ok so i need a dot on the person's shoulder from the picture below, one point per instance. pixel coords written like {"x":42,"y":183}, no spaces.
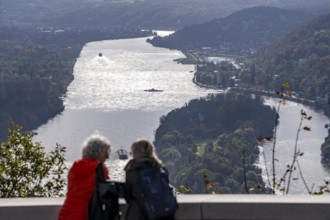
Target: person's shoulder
{"x":129,"y":165}
{"x":86,"y":163}
{"x":137,"y":164}
{"x":83,"y":167}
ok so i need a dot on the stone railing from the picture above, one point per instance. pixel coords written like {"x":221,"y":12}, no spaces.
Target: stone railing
{"x":229,"y":207}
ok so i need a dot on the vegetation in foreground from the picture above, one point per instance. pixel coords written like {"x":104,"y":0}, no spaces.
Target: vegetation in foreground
{"x":26,"y":170}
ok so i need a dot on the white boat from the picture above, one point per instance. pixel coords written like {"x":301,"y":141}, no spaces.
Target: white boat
{"x":122,"y":154}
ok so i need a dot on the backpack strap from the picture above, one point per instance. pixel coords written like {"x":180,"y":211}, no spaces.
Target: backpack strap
{"x":101,"y":181}
{"x":165,"y":171}
{"x":100,"y":174}
{"x":95,"y":202}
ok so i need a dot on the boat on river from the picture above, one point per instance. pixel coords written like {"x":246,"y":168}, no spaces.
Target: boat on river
{"x":122,"y":154}
{"x":153,"y":90}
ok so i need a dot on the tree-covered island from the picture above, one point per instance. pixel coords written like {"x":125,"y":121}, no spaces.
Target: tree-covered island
{"x":214,"y":140}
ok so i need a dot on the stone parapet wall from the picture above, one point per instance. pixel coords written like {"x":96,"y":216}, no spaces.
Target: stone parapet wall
{"x":221,"y":207}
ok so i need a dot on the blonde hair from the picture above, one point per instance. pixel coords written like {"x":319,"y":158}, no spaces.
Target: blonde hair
{"x":143,"y":149}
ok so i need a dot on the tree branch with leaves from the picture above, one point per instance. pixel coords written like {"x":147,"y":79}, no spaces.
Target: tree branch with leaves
{"x":27,"y":170}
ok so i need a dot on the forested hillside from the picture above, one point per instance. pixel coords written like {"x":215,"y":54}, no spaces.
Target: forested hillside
{"x":32,"y":81}
{"x":302,"y":59}
{"x":146,"y":14}
{"x":247,"y":30}
{"x":209,"y":137}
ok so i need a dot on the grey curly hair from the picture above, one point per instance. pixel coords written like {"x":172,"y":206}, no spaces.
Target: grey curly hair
{"x":95,"y":146}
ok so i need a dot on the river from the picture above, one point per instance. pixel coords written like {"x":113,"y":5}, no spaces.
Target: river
{"x":107,"y":96}
{"x":309,"y":143}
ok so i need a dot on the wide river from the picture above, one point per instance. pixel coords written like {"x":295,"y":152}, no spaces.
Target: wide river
{"x":107,"y":96}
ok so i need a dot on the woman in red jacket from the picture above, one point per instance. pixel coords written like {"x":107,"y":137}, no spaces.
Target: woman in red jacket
{"x":82,"y":178}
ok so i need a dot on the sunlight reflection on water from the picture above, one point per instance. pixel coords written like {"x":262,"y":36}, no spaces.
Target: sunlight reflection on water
{"x":117,"y":80}
{"x":107,"y":96}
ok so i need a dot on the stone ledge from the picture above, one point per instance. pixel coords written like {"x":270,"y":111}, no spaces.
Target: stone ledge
{"x":222,"y":207}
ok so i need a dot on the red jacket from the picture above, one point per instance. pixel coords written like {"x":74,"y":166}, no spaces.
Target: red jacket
{"x":81,"y":184}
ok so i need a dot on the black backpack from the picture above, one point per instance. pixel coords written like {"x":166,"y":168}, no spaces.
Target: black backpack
{"x":158,"y":200}
{"x":104,"y":203}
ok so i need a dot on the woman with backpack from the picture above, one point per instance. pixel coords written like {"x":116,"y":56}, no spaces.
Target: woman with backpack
{"x":82,"y":178}
{"x":146,"y":187}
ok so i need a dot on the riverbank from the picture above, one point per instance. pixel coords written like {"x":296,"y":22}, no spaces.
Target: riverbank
{"x":203,"y":85}
{"x":190,"y":58}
